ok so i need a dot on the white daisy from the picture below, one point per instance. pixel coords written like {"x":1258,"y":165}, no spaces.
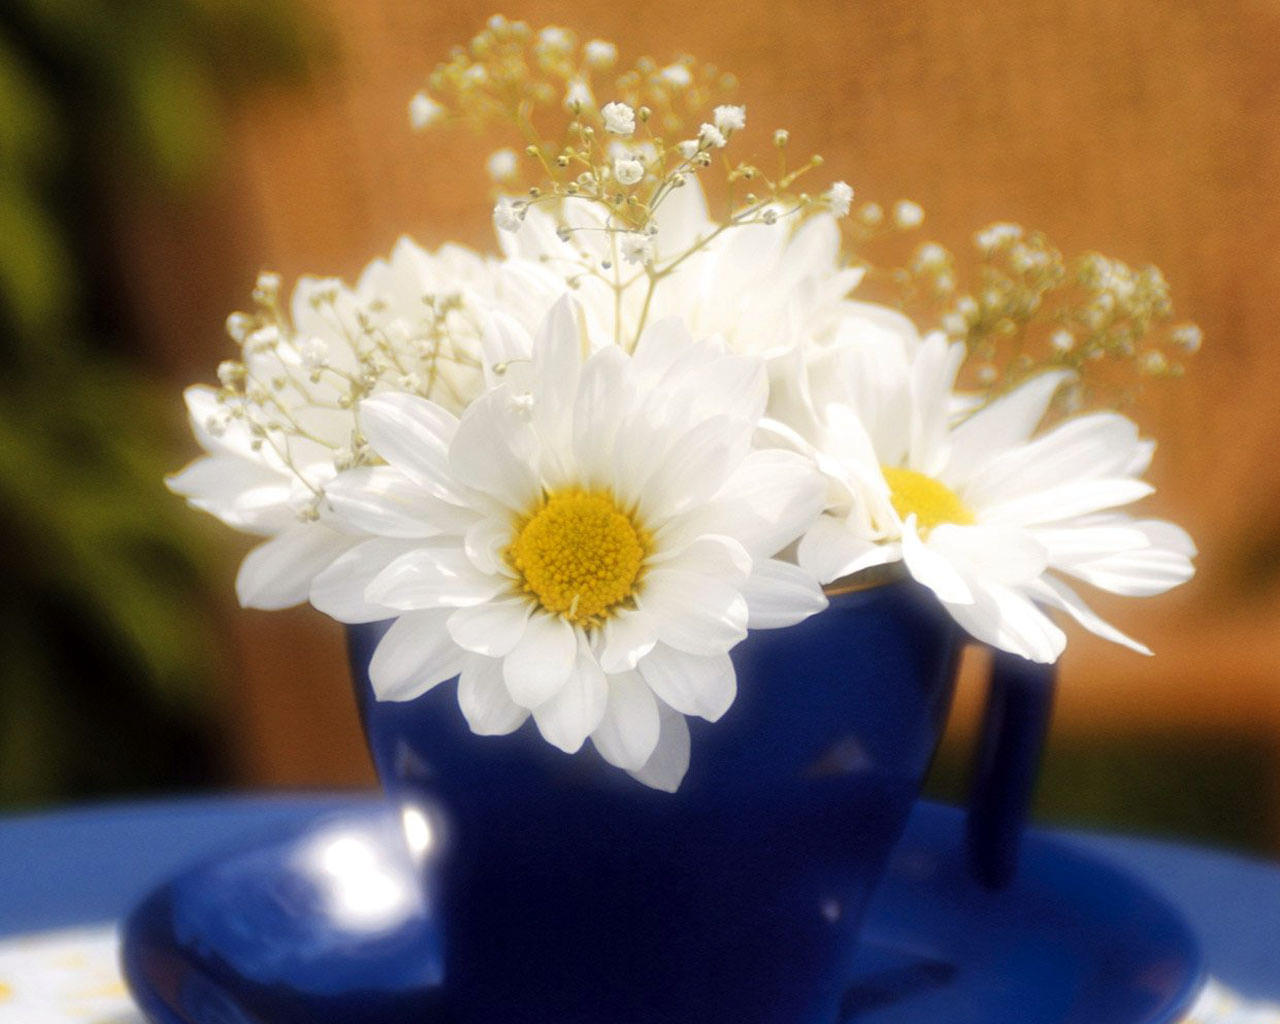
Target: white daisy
{"x":586,"y":551}
{"x":285,"y":421}
{"x":986,"y":516}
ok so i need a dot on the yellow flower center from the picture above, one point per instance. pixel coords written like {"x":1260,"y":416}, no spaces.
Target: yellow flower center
{"x":933,"y":503}
{"x":579,"y":554}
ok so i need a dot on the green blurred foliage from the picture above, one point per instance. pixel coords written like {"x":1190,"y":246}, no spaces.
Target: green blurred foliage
{"x":106,"y":649}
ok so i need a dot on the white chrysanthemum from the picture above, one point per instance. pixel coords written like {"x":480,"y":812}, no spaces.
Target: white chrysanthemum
{"x":986,"y":516}
{"x":761,"y":288}
{"x":586,"y":551}
{"x":288,"y":423}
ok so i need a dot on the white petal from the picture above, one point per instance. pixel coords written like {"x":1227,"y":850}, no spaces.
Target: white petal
{"x":540,"y":664}
{"x":781,"y":594}
{"x":493,"y":628}
{"x":661,"y":343}
{"x":578,"y":707}
{"x":932,"y":569}
{"x":504,"y":340}
{"x":558,"y":352}
{"x":1066,"y":501}
{"x":493,"y":451}
{"x":696,"y":465}
{"x":339,"y":590}
{"x":628,"y":733}
{"x":599,"y":408}
{"x":414,"y":655}
{"x":719,"y":557}
{"x":1006,"y":555}
{"x":218,"y":484}
{"x":483,"y":698}
{"x":1082,"y":541}
{"x":693,"y":613}
{"x":236,"y":440}
{"x":1087,"y":448}
{"x":1163,"y":534}
{"x":669,"y":762}
{"x":1140,"y":572}
{"x":433,"y":576}
{"x":627,"y":636}
{"x":383,"y":501}
{"x":412,"y":434}
{"x":1009,"y":620}
{"x":775,"y":495}
{"x":933,"y":374}
{"x":486,"y":540}
{"x":278,"y":573}
{"x":1057,"y":594}
{"x":1007,"y":421}
{"x":692,"y":684}
{"x":831,"y":549}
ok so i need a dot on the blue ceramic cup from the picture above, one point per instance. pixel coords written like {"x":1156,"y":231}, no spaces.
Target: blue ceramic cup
{"x":568,"y":893}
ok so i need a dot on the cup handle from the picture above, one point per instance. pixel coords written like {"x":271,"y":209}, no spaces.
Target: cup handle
{"x":1019,"y":705}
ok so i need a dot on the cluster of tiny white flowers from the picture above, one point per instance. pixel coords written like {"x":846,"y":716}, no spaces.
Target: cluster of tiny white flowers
{"x":282,"y":374}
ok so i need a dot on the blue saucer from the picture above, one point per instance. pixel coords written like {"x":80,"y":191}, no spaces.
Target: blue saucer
{"x":250,"y":937}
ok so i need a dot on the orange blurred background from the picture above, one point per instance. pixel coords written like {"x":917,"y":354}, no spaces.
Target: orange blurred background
{"x":1145,"y":129}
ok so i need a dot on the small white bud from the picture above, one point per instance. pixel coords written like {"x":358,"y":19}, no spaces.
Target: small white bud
{"x":314,"y":351}
{"x":637,"y":248}
{"x":1062,"y":340}
{"x":711,"y":137}
{"x":578,"y":96}
{"x":687,"y":149}
{"x":781,"y":137}
{"x":555,"y":40}
{"x":267,"y":286}
{"x":1187,"y":337}
{"x":600,"y":55}
{"x":838,"y":198}
{"x":628,"y":170}
{"x":230,"y":373}
{"x":995,"y":237}
{"x":424,"y":111}
{"x":907,"y":215}
{"x":507,"y":215}
{"x":238,"y":327}
{"x":1154,"y":362}
{"x":676,"y":75}
{"x":730,"y":118}
{"x":619,"y":118}
{"x":521,"y":403}
{"x":502,"y":164}
{"x":930,"y":256}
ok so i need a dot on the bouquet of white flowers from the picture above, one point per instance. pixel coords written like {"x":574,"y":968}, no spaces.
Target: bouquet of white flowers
{"x":577,"y":473}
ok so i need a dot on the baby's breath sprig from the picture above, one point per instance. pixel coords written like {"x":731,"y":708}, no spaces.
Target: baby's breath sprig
{"x":624,"y":144}
{"x":289,"y":385}
{"x":1025,"y":308}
